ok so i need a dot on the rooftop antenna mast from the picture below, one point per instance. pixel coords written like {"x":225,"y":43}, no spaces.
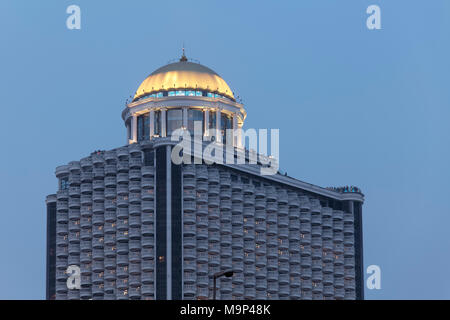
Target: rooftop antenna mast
{"x":183,"y":57}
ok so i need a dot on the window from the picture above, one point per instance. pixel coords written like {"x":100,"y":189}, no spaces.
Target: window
{"x":128,"y":125}
{"x":226,"y":122}
{"x":64,"y":183}
{"x":143,"y":127}
{"x":157,"y":123}
{"x":174,"y":120}
{"x":212,"y":124}
{"x":195,"y":115}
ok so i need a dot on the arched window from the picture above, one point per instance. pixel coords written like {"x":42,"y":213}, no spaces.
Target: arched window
{"x":195,"y":115}
{"x":226,"y":122}
{"x":157,"y":124}
{"x":143,"y":132}
{"x":174,"y":120}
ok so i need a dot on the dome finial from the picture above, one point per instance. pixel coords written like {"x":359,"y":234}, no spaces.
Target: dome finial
{"x":183,"y":56}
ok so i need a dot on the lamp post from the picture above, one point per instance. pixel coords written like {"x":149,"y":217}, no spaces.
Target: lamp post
{"x":227,"y":273}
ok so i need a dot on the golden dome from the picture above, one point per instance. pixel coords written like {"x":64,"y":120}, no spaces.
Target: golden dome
{"x":184,"y":75}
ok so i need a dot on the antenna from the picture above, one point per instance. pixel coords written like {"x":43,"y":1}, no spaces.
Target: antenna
{"x":183,"y":57}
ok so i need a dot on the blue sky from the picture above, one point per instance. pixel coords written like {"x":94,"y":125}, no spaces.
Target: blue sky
{"x":354,"y":106}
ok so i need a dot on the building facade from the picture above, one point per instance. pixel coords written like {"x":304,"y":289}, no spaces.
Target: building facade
{"x":139,"y":226}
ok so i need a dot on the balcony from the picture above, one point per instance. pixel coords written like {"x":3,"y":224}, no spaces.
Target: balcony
{"x":348,"y":218}
{"x":338,"y":225}
{"x":249,"y":200}
{"x":213,"y":190}
{"x":260,"y":214}
{"x":135,"y":233}
{"x":110,"y":204}
{"x":148,"y":229}
{"x":225,"y":218}
{"x":148,"y":183}
{"x":327,"y":234}
{"x":188,"y":241}
{"x":214,"y":225}
{"x":293,"y":200}
{"x":147,"y":277}
{"x":86,"y":200}
{"x":349,"y":263}
{"x":98,"y":185}
{"x":339,"y":270}
{"x":213,"y":201}
{"x":62,"y":195}
{"x":98,"y":207}
{"x":86,"y":176}
{"x":86,"y":188}
{"x":122,"y":178}
{"x":260,"y":192}
{"x":305,"y":228}
{"x":260,"y":204}
{"x":328,"y":267}
{"x":148,"y":206}
{"x":98,"y":173}
{"x":147,"y":217}
{"x":134,"y":186}
{"x":338,"y":248}
{"x":349,"y":229}
{"x":327,"y":222}
{"x":316,"y":219}
{"x":317,"y":288}
{"x":202,"y":186}
{"x":349,"y":251}
{"x":135,"y":163}
{"x":237,"y":197}
{"x":148,"y":266}
{"x":214,"y":236}
{"x":97,"y":254}
{"x":316,"y":231}
{"x":338,"y":215}
{"x":283,"y":222}
{"x":74,"y":203}
{"x":189,"y":206}
{"x":349,"y":273}
{"x":226,"y":239}
{"x":135,"y":198}
{"x":62,"y":217}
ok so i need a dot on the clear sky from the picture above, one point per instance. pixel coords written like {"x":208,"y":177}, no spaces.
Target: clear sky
{"x":354,"y":107}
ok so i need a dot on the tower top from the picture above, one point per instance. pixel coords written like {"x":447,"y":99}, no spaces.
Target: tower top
{"x":183,"y":56}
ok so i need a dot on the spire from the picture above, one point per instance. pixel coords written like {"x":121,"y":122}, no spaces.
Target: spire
{"x":183,"y":56}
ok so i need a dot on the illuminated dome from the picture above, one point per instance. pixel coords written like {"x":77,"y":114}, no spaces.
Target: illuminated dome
{"x":184,"y":75}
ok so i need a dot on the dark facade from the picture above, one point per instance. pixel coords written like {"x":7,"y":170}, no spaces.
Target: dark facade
{"x":51,"y":248}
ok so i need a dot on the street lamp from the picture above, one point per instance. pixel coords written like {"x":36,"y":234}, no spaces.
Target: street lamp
{"x":227,"y":273}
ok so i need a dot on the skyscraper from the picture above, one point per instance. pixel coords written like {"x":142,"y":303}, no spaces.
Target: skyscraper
{"x":140,"y":226}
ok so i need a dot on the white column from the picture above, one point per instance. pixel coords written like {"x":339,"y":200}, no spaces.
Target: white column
{"x":218,"y":125}
{"x":134,"y":128}
{"x":152,"y":123}
{"x":163,"y":122}
{"x":185,"y":117}
{"x":169,"y":222}
{"x":239,"y":137}
{"x":207,"y":122}
{"x":235,"y":127}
